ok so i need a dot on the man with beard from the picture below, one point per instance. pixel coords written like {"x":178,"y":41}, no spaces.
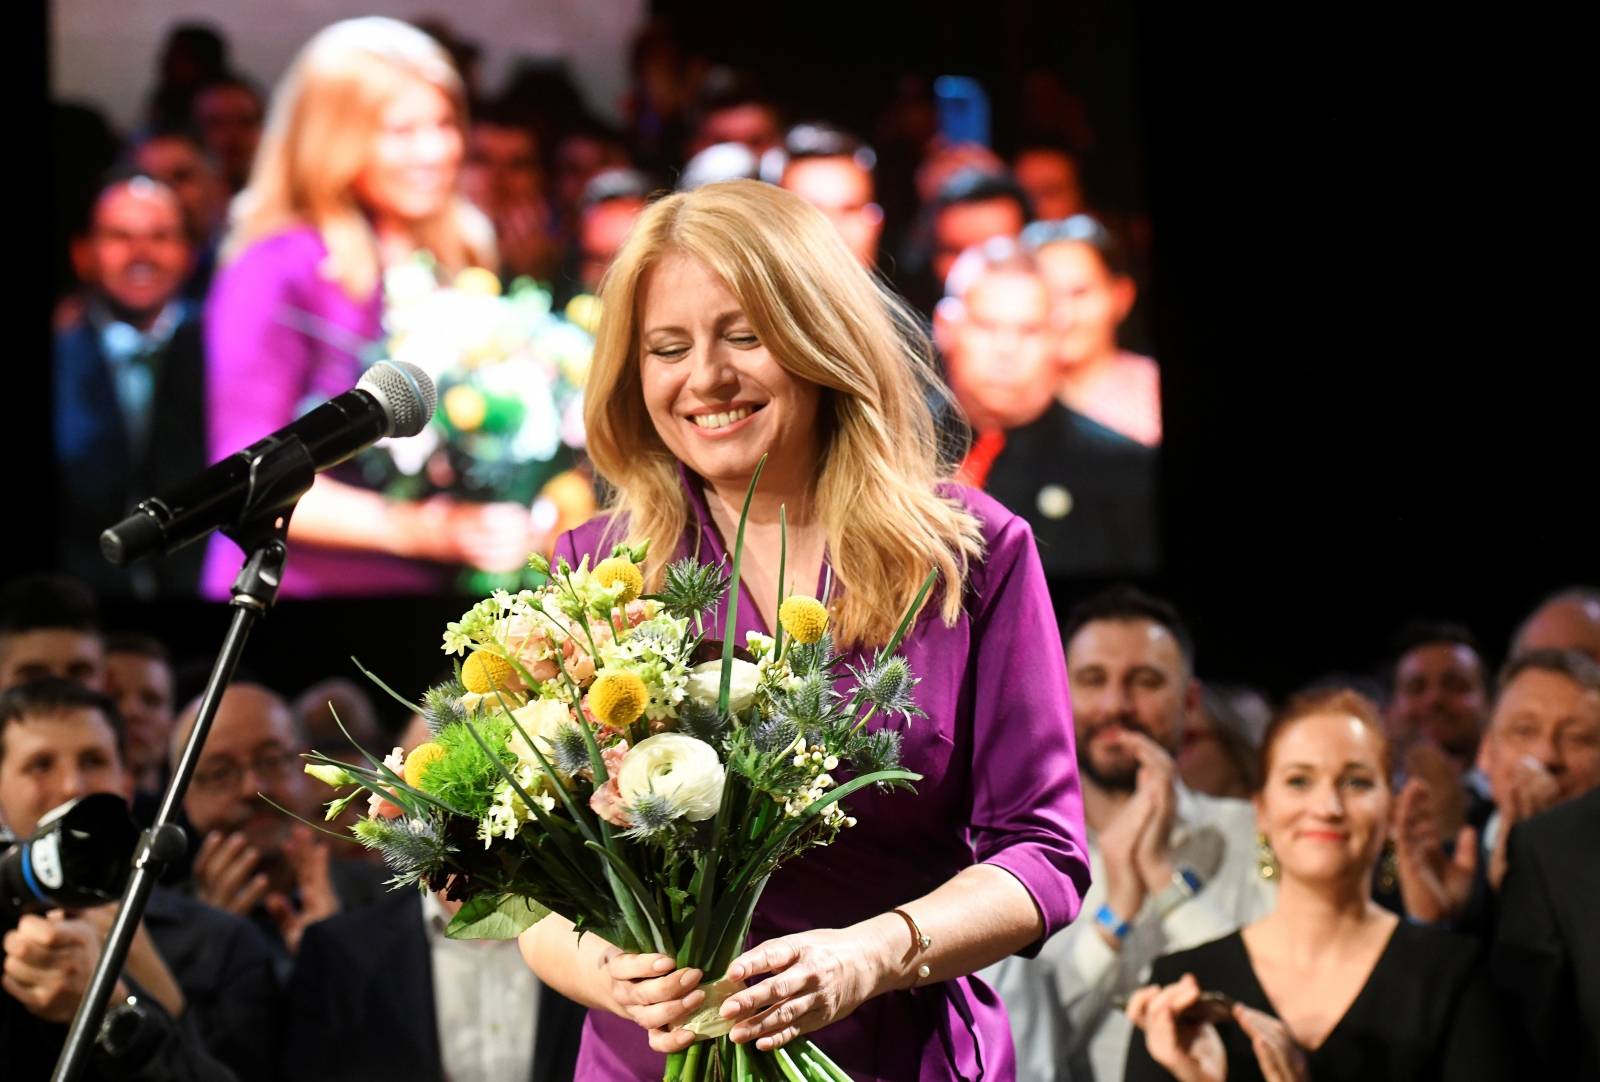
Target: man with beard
{"x":253,"y":859}
{"x":1171,"y":868}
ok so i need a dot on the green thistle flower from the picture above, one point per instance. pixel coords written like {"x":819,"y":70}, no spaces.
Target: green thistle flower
{"x":691,"y":587}
{"x":570,"y":753}
{"x":874,"y":751}
{"x":816,"y":657}
{"x":441,"y":705}
{"x":412,"y":848}
{"x":887,"y":685}
{"x":774,"y":734}
{"x":701,"y":721}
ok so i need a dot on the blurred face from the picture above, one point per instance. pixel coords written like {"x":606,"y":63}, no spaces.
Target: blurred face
{"x":251,"y":750}
{"x":999,"y":351}
{"x":719,"y":400}
{"x":1087,"y":303}
{"x":842,"y":190}
{"x":1546,"y":717}
{"x":959,"y":227}
{"x":1439,"y":696}
{"x":50,"y":759}
{"x":502,"y":168}
{"x":411,"y":170}
{"x":52,"y":651}
{"x":1324,"y":803}
{"x":752,"y":124}
{"x":229,"y":119}
{"x":138,"y":249}
{"x":1563,"y":625}
{"x":142,"y":687}
{"x":578,"y":158}
{"x":179,"y":165}
{"x":1051,"y":180}
{"x":1125,"y":676}
{"x":605,"y":226}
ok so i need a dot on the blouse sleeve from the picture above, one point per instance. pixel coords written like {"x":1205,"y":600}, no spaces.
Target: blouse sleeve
{"x":1027,"y":811}
{"x":257,"y":366}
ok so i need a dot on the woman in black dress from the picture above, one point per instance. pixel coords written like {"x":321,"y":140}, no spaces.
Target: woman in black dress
{"x":1329,"y":986}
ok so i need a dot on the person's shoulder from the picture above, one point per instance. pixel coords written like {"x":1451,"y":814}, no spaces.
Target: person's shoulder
{"x":1564,"y":827}
{"x":600,"y":532}
{"x":1205,"y":961}
{"x":294,"y":252}
{"x":1084,"y":432}
{"x":997,"y":521}
{"x":1432,"y":954}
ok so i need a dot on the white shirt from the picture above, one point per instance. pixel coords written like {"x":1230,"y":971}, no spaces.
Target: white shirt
{"x":1059,"y":1003}
{"x":485,"y":1001}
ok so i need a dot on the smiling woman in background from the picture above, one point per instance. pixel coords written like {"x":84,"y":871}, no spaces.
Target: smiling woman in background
{"x":357,"y":172}
{"x":1329,"y":985}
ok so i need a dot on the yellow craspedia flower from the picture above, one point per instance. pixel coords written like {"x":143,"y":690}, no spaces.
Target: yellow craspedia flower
{"x":584,"y":310}
{"x":417,"y":763}
{"x":478,"y":280}
{"x":615,"y":569}
{"x":482,"y":672}
{"x":804,"y":618}
{"x":617,"y":699}
{"x":465,"y":407}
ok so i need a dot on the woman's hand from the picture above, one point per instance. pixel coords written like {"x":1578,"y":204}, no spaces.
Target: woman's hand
{"x":1193,"y":1053}
{"x":650,"y":991}
{"x":818,"y":977}
{"x":1279,"y":1057}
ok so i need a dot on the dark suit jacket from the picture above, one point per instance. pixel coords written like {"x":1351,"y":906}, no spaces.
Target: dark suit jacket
{"x":361,"y":1003}
{"x":1109,"y":522}
{"x":1546,"y":953}
{"x":98,"y":480}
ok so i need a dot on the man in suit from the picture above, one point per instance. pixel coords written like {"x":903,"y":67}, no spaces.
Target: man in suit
{"x":128,"y":384}
{"x":1546,"y":953}
{"x":1087,"y":491}
{"x":380,"y":993}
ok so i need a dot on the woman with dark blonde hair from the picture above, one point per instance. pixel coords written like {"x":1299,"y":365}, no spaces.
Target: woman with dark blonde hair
{"x":357,"y":171}
{"x":739,"y":325}
{"x":1329,"y":985}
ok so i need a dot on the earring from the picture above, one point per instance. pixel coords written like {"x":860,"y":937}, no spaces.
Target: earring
{"x":1388,"y":869}
{"x":1266,"y":859}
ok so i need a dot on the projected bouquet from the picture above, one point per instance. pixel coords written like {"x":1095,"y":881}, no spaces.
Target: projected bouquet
{"x":510,"y":373}
{"x":599,"y":757}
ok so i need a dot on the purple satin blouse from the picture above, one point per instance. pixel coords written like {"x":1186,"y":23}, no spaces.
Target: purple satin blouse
{"x":1000,"y":785}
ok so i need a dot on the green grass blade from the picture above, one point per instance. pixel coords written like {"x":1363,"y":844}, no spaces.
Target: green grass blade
{"x":731,"y":628}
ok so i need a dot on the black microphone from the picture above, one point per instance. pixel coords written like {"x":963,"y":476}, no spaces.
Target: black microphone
{"x":80,"y":855}
{"x":393,"y":398}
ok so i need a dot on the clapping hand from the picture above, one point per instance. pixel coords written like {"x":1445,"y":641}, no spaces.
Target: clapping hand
{"x":1433,"y":886}
{"x":1522,"y":790}
{"x":1193,"y":1052}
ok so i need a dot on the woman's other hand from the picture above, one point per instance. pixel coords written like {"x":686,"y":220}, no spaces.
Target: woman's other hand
{"x":817,"y":978}
{"x":1280,"y":1058}
{"x":1193,"y":1053}
{"x":495,"y":537}
{"x":649,"y":990}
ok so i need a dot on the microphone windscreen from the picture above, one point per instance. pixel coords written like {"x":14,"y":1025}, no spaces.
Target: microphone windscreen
{"x":404,"y":391}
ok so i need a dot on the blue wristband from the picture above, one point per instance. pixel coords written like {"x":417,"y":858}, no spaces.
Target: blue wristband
{"x":1116,"y":928}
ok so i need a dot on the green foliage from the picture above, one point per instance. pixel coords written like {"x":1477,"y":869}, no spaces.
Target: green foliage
{"x":870,"y":752}
{"x":495,"y":916}
{"x":464,"y":776}
{"x":816,"y":657}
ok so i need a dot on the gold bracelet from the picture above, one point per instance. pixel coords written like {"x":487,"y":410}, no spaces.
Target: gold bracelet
{"x":920,"y":941}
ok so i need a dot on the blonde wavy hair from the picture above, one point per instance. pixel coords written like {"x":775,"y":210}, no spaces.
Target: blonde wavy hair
{"x":824,"y":319}
{"x":324,"y":118}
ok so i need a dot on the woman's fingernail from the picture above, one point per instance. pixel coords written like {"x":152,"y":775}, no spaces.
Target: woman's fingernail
{"x":687,"y":978}
{"x":731,"y":1008}
{"x":663,"y":965}
{"x":693,"y":999}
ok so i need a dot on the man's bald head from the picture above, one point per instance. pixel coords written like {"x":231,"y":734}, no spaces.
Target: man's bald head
{"x":252,"y":751}
{"x":1569,"y":620}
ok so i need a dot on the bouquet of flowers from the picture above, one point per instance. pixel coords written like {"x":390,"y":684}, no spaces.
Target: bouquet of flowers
{"x":600,"y":758}
{"x":510,"y":374}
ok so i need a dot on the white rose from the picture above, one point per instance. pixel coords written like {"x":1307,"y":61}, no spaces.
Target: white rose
{"x":683,"y":770}
{"x":541,"y":719}
{"x":706,"y":680}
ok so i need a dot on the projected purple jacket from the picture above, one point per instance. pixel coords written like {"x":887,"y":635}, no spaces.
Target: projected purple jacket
{"x":1000,"y":785}
{"x":281,"y":338}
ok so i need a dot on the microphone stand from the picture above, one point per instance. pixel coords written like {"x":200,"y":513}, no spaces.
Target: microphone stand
{"x":278,"y":478}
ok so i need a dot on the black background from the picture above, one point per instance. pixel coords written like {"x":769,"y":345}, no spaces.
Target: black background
{"x":1376,"y":355}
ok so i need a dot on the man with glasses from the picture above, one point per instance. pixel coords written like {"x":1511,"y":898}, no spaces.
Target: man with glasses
{"x":253,"y":859}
